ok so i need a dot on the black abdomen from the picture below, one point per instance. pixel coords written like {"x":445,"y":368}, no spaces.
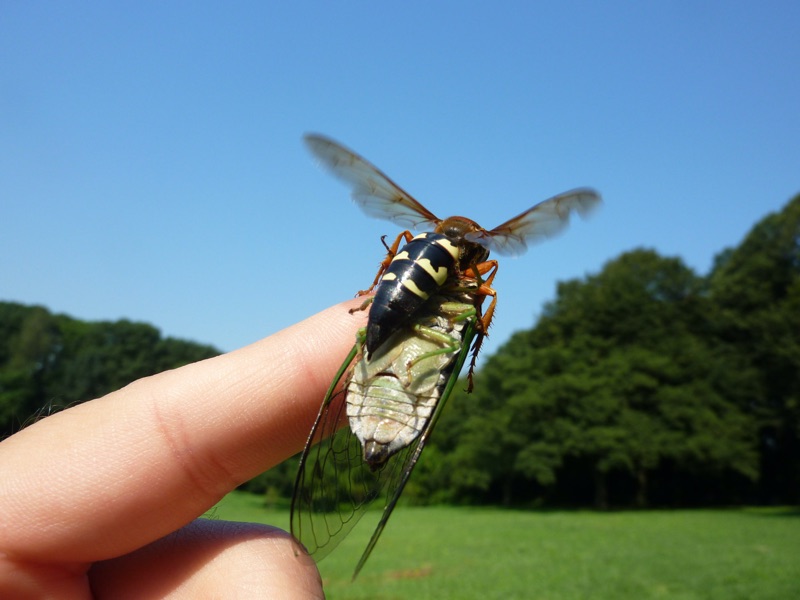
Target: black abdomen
{"x":414,"y":275}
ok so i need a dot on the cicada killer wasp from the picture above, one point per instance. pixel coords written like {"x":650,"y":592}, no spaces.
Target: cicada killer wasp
{"x":425,"y":319}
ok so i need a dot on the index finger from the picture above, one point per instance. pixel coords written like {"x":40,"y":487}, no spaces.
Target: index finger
{"x":108,"y":476}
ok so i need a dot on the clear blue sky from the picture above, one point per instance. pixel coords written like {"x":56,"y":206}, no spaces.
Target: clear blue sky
{"x":151,"y":165}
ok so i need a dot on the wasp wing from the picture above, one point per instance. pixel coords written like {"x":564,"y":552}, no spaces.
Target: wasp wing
{"x":373,"y":191}
{"x":544,"y":220}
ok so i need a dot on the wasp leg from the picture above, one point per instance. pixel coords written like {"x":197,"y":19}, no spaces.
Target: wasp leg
{"x":484,"y":289}
{"x":486,"y":319}
{"x":391,"y":251}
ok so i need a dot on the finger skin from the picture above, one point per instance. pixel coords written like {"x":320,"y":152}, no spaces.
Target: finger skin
{"x":107,"y":477}
{"x":211,"y":559}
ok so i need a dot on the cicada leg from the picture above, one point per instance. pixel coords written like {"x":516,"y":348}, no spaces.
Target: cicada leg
{"x":364,"y":305}
{"x":460,"y":311}
{"x":449,"y":343}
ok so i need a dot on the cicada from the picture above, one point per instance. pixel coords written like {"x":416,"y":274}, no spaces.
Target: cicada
{"x":426,"y":320}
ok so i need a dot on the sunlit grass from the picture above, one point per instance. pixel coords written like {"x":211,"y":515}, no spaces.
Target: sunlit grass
{"x":444,"y":552}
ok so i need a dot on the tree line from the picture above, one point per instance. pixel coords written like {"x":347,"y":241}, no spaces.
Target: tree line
{"x":645,"y":384}
{"x":51,"y":361}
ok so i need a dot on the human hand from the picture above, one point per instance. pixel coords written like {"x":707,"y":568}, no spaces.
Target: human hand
{"x":101,"y":500}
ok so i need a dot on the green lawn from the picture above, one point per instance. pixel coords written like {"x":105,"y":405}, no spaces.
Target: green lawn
{"x":443,"y":552}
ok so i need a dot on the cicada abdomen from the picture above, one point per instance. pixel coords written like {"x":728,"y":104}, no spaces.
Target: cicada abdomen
{"x":391,"y":401}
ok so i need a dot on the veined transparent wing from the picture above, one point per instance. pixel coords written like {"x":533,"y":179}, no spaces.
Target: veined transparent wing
{"x":335,"y":485}
{"x":373,"y":191}
{"x":543,"y":221}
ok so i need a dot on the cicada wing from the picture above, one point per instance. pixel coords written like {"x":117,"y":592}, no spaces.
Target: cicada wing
{"x":546,"y":219}
{"x":373,"y":191}
{"x":332,"y":490}
{"x":328,"y":453}
{"x":402,"y":468}
{"x":334,"y":485}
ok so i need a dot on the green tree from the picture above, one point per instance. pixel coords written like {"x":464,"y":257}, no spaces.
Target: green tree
{"x":49,"y":361}
{"x":28,"y":349}
{"x":757,"y":288}
{"x":617,"y":377}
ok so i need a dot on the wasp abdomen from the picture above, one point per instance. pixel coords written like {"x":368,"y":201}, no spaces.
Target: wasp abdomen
{"x":415,"y":273}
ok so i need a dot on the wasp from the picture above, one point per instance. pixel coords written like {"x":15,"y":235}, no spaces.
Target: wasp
{"x":425,"y":319}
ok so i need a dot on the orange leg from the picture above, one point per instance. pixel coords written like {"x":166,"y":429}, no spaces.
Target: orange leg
{"x":391,"y":252}
{"x":484,"y":289}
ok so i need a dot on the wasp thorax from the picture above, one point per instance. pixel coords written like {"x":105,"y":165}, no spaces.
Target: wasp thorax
{"x":456,"y":227}
{"x":469,"y":253}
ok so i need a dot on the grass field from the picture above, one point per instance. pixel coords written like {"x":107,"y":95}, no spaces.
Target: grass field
{"x":444,"y":552}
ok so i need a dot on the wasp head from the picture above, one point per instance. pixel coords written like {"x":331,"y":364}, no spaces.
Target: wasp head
{"x":469,"y":253}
